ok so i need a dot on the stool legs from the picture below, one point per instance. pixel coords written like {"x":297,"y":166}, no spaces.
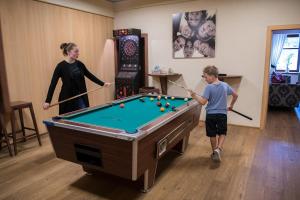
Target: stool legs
{"x":20,"y":106}
{"x":35,"y":125}
{"x":3,"y":130}
{"x":22,"y":124}
{"x":13,"y":130}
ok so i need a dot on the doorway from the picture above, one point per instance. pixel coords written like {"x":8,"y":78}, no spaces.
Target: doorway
{"x":265,"y":96}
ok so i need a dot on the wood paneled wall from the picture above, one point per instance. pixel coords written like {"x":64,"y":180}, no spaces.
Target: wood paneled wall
{"x":32,"y":33}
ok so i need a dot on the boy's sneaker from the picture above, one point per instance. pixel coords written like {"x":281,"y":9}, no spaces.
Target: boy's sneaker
{"x":216,"y":156}
{"x":213,"y":156}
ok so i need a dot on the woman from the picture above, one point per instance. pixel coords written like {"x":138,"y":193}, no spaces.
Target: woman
{"x":72,"y":73}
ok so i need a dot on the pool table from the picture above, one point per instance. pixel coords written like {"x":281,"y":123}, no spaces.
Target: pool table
{"x":126,"y":142}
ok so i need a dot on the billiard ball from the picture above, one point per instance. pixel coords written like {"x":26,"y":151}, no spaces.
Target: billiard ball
{"x":122,"y":105}
{"x":167,"y":105}
{"x":166,"y":97}
{"x":186,"y":99}
{"x":173,"y":108}
{"x":158,"y":97}
{"x":142,"y":99}
{"x":151,"y":98}
{"x":172,"y":98}
{"x":162,"y":109}
{"x":158,"y":104}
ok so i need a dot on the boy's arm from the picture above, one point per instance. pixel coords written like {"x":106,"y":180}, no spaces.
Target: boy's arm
{"x":200,"y":99}
{"x":234,"y":98}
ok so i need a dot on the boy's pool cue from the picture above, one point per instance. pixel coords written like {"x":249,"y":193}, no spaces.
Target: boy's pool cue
{"x":241,"y":114}
{"x":182,"y":87}
{"x":178,"y":85}
{"x":79,"y":95}
{"x":200,"y":95}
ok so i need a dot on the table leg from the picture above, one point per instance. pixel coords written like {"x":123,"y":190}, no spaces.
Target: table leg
{"x":181,"y":146}
{"x":164,"y":84}
{"x":149,"y":177}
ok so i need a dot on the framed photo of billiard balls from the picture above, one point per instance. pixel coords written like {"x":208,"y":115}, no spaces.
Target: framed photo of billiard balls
{"x":161,"y":147}
{"x":194,"y":34}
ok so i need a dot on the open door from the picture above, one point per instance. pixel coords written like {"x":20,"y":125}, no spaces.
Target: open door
{"x":265,"y":96}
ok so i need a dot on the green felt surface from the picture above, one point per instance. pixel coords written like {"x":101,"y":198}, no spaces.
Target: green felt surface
{"x":134,"y":115}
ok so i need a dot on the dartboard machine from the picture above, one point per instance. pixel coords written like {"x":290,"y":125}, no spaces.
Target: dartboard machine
{"x":130,"y":69}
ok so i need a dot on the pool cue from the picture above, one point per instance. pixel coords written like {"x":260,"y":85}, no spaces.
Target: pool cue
{"x":178,"y":85}
{"x":182,"y":87}
{"x":243,"y":115}
{"x":79,"y":95}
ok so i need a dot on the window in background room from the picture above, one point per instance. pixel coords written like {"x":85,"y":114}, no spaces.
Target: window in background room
{"x":289,"y":57}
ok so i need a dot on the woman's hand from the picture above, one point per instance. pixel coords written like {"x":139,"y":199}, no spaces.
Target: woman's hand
{"x":107,"y":84}
{"x":46,"y":106}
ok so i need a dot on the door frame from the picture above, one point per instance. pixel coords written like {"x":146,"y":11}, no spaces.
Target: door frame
{"x":265,"y":96}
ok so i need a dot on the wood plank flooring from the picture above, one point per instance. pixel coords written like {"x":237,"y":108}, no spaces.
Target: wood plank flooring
{"x":256,"y":165}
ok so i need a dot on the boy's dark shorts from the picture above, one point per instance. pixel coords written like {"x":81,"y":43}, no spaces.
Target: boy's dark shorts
{"x":216,"y":124}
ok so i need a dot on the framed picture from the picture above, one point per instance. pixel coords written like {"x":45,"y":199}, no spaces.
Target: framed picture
{"x":194,"y":34}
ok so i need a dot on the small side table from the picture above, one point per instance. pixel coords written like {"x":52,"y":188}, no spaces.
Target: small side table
{"x":228,"y":77}
{"x":163,"y":78}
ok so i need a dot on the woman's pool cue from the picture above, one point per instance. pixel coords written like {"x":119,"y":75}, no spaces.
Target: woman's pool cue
{"x":79,"y":95}
{"x":243,"y":115}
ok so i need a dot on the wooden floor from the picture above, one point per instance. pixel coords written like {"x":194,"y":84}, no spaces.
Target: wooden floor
{"x":256,"y":165}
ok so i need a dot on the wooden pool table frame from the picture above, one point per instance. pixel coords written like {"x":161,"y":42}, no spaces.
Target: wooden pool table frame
{"x":113,"y":151}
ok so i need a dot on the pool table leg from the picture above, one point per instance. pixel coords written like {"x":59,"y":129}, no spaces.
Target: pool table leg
{"x":149,"y":177}
{"x":88,"y":170}
{"x":182,"y":145}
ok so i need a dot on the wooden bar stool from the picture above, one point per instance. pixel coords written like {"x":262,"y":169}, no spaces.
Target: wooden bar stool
{"x":19,"y":106}
{"x":4,"y":135}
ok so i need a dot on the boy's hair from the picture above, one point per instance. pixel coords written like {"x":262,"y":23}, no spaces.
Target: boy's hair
{"x":211,"y":70}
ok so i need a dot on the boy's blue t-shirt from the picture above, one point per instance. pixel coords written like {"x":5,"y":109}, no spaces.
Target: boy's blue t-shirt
{"x":216,"y":94}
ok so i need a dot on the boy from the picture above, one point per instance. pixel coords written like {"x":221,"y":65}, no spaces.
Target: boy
{"x":215,"y":93}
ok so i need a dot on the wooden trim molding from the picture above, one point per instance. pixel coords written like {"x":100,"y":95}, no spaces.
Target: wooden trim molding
{"x":4,"y":94}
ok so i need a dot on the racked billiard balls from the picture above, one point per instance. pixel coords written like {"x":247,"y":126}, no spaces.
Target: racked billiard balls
{"x":167,"y":105}
{"x":158,"y":104}
{"x":172,"y":98}
{"x":122,"y":105}
{"x":162,"y":109}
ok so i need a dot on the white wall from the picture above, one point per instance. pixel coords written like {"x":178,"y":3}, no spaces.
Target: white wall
{"x":240,"y":44}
